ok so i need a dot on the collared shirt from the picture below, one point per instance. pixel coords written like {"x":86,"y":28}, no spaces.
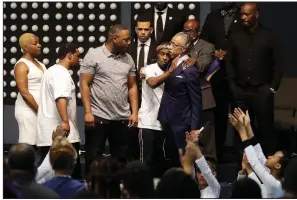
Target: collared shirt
{"x":255,"y":58}
{"x":146,"y":50}
{"x":164,"y":14}
{"x":109,"y":90}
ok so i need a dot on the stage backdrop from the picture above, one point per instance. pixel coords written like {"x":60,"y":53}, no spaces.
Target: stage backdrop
{"x":85,"y":24}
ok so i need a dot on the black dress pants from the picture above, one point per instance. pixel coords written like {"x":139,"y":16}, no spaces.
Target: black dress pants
{"x":259,"y":101}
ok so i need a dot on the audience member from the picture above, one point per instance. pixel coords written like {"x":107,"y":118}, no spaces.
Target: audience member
{"x":58,"y":103}
{"x":205,"y":166}
{"x":22,"y":171}
{"x":218,"y":27}
{"x":137,"y":181}
{"x":103,"y":179}
{"x":109,"y":94}
{"x":28,"y":72}
{"x":63,"y":158}
{"x":45,"y":171}
{"x":248,"y":172}
{"x":176,"y":184}
{"x":202,"y":53}
{"x":270,"y":171}
{"x":246,"y":188}
{"x":254,"y":66}
{"x":290,"y":180}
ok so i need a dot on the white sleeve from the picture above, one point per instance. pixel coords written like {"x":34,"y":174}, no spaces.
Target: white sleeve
{"x":267,"y":179}
{"x":62,"y":85}
{"x":209,"y":177}
{"x":44,"y":170}
{"x":260,"y":154}
{"x":239,"y":176}
{"x":148,"y":72}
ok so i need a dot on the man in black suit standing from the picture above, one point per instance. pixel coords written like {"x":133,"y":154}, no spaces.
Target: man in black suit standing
{"x":143,"y":48}
{"x":254,"y":66}
{"x":217,"y":28}
{"x":165,"y":21}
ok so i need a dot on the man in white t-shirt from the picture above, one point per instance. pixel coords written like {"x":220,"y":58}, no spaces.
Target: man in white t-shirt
{"x":150,"y":130}
{"x":58,"y":103}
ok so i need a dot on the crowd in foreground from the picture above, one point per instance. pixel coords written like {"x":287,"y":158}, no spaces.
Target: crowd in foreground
{"x":260,"y":177}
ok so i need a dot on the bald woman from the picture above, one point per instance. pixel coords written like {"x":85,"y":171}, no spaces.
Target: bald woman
{"x":28,"y":73}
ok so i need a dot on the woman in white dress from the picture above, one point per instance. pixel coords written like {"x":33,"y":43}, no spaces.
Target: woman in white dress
{"x":28,"y":73}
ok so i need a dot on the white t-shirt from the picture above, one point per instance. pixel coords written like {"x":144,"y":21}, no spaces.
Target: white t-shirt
{"x":56,"y":82}
{"x":150,"y":100}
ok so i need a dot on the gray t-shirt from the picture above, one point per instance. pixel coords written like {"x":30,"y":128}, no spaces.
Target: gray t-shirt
{"x":109,"y":90}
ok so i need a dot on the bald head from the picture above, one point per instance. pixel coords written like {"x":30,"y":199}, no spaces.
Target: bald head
{"x":249,"y":15}
{"x":192,"y":27}
{"x":192,"y":23}
{"x":251,"y":5}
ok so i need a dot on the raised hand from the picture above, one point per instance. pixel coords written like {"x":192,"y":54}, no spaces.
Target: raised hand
{"x":244,"y":118}
{"x":239,"y":127}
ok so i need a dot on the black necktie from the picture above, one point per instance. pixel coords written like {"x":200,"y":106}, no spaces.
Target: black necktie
{"x":141,"y":57}
{"x":159,"y":30}
{"x":140,"y":65}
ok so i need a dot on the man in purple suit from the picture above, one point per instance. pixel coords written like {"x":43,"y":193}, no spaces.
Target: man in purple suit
{"x":181,"y":104}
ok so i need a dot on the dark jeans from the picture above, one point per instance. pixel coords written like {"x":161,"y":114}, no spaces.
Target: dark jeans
{"x":151,"y":144}
{"x":259,"y":101}
{"x":77,"y":169}
{"x":118,"y":134}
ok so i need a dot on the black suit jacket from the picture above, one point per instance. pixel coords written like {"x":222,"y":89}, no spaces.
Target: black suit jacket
{"x":213,"y":32}
{"x":152,"y":54}
{"x":173,"y":24}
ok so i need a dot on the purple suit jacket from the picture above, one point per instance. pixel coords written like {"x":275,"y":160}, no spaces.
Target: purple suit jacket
{"x":181,"y":104}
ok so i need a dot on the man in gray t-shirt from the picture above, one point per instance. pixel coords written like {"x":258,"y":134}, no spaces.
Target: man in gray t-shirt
{"x":109,"y":94}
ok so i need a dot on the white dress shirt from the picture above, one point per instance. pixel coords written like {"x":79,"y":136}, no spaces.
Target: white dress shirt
{"x":214,"y":188}
{"x":272,"y":186}
{"x":146,"y":50}
{"x":164,"y":14}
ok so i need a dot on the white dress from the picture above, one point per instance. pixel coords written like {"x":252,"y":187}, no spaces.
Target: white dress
{"x":25,"y":116}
